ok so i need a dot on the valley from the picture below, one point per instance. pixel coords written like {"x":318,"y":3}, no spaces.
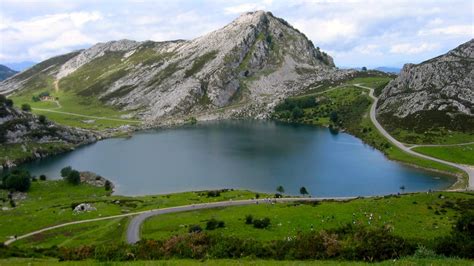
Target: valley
{"x":247,"y":144}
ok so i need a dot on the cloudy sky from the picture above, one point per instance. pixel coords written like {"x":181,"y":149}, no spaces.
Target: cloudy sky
{"x":356,"y":33}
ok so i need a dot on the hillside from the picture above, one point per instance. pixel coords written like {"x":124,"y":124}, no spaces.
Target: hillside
{"x":6,"y":72}
{"x":250,"y":64}
{"x":433,"y":95}
{"x":25,"y":136}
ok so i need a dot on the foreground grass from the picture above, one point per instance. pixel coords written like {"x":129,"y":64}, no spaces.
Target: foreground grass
{"x":179,"y":262}
{"x":463,"y":154}
{"x":50,"y":203}
{"x":417,"y":216}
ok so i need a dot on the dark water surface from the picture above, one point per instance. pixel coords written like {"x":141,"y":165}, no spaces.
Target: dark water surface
{"x":250,"y":155}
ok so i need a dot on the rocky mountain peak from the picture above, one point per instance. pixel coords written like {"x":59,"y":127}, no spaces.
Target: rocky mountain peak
{"x":251,"y":63}
{"x":436,"y":93}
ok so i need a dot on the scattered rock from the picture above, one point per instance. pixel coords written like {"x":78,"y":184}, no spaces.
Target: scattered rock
{"x":84,"y":207}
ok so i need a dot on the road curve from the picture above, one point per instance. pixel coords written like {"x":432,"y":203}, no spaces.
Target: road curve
{"x":467,"y":169}
{"x":153,"y":212}
{"x":133,"y":230}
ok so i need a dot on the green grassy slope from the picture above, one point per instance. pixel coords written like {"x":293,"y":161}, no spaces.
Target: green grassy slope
{"x":418,"y":216}
{"x":352,"y":105}
{"x":49,"y":203}
{"x":463,"y":154}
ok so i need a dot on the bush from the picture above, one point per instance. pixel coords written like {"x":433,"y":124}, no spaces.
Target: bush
{"x":65,"y":171}
{"x":461,"y":241}
{"x":374,"y":245}
{"x":18,"y":180}
{"x":214,"y":224}
{"x":42,"y":119}
{"x":73,"y":178}
{"x":261,"y":223}
{"x":195,"y":228}
{"x":42,"y":177}
{"x":249,"y":219}
{"x":213,"y":193}
{"x":108,"y":185}
{"x":26,"y":107}
{"x":297,"y":113}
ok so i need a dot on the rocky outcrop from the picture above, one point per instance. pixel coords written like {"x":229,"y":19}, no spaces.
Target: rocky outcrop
{"x":96,"y":180}
{"x":31,"y":137}
{"x":242,"y":69}
{"x":435,"y":93}
{"x":20,"y":127}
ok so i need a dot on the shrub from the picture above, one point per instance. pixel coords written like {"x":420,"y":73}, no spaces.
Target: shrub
{"x":42,"y":119}
{"x":65,"y":171}
{"x":108,"y":185}
{"x":42,"y":177}
{"x":297,"y":113}
{"x":214,"y":224}
{"x":74,"y":177}
{"x":249,"y":219}
{"x":18,"y":180}
{"x":26,"y":107}
{"x":261,"y":223}
{"x":461,"y":241}
{"x":195,"y":228}
{"x":213,"y":193}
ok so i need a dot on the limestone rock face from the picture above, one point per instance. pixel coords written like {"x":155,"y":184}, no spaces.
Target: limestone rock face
{"x":439,"y":91}
{"x":21,"y":127}
{"x":242,"y":69}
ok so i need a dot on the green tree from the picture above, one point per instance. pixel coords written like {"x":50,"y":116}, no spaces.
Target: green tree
{"x":65,"y":171}
{"x":43,"y":177}
{"x":333,"y":117}
{"x":297,"y":113}
{"x":74,"y":177}
{"x":364,"y":68}
{"x":280,"y":189}
{"x":108,"y":185}
{"x":303,"y":191}
{"x":42,"y":119}
{"x":18,"y":180}
{"x":26,"y":107}
{"x":9,"y":103}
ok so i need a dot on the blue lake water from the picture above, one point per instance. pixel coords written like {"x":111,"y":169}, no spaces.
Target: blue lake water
{"x":252,"y":155}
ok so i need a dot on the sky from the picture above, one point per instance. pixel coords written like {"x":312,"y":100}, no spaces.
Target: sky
{"x":355,"y":33}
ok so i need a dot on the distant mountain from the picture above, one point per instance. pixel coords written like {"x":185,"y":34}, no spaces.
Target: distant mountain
{"x":438,"y":93}
{"x":20,"y":66}
{"x":248,"y":65}
{"x":6,"y":72}
{"x":394,"y":70}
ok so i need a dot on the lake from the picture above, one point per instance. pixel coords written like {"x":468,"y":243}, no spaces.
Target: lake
{"x":253,"y":155}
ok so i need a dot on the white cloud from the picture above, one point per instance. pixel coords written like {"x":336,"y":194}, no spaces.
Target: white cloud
{"x":238,"y":9}
{"x":326,"y":31}
{"x":413,"y":48}
{"x":378,"y":32}
{"x":459,"y":30}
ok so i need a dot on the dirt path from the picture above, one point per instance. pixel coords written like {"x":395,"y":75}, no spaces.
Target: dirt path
{"x":87,"y":116}
{"x":439,"y":145}
{"x":373,"y":118}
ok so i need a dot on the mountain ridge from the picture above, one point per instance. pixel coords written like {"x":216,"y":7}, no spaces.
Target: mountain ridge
{"x":6,"y":72}
{"x":251,"y":64}
{"x":437,"y":93}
